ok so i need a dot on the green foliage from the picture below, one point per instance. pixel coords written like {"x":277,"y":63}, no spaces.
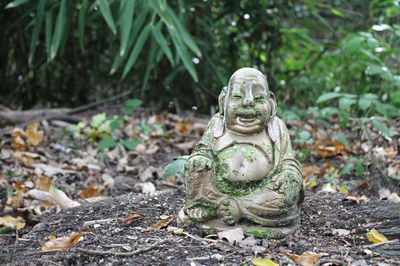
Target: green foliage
{"x":79,"y":51}
{"x":352,"y":162}
{"x":175,"y":167}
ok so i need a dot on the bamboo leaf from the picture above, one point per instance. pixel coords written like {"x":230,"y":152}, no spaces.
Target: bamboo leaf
{"x":136,"y":49}
{"x":49,"y":31}
{"x":126,"y":23}
{"x":184,"y":33}
{"x":81,"y":22}
{"x":183,"y":53}
{"x":16,"y":3}
{"x":134,"y":31}
{"x":106,"y":12}
{"x":59,"y":29}
{"x":36,"y":29}
{"x":162,"y":42}
{"x":150,"y":64}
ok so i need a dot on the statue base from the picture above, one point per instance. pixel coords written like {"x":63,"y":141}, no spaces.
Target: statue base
{"x":217,"y":225}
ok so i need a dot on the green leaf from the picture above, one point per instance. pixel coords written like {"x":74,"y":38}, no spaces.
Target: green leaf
{"x":126,"y":24}
{"x":337,"y":12}
{"x":395,"y":177}
{"x":328,"y":96}
{"x":327,"y":111}
{"x":106,"y":143}
{"x":183,"y":32}
{"x":354,"y":44}
{"x":36,"y":29}
{"x":133,"y":103}
{"x":16,"y":3}
{"x":374,"y":70}
{"x":360,"y":169}
{"x":175,"y":167}
{"x":98,"y":119}
{"x":341,"y":138}
{"x":59,"y":29}
{"x":345,"y":103}
{"x":134,"y":31}
{"x":130,"y":144}
{"x":106,"y":12}
{"x":150,"y":64}
{"x":163,"y":43}
{"x":136,"y":49}
{"x":347,"y":169}
{"x":81,"y":22}
{"x":49,"y":31}
{"x":385,"y":131}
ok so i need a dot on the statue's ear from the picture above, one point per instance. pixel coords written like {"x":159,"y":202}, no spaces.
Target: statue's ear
{"x":221,"y":100}
{"x":272,"y":102}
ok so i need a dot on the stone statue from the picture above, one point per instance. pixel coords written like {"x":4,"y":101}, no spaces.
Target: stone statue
{"x":243,"y":172}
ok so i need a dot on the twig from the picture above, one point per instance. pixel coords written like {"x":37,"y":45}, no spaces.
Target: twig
{"x":95,"y":104}
{"x":121,"y":254}
{"x":382,"y":243}
{"x":102,"y":221}
{"x":199,"y":238}
{"x":168,"y":184}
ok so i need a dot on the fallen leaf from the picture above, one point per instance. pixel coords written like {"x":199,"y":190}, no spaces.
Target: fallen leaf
{"x":232,"y":236}
{"x":365,"y":185}
{"x":340,"y":232}
{"x":309,"y":258}
{"x":310,"y":171}
{"x":43,"y":183}
{"x":391,"y":152}
{"x":160,"y":224}
{"x":61,"y":199}
{"x":376,"y":237}
{"x":90,"y":192}
{"x":62,"y":242}
{"x":34,"y":136}
{"x":328,"y":188}
{"x":17,"y":141}
{"x":394,"y":197}
{"x":131,"y":218}
{"x":263,"y":262}
{"x":13,"y":223}
{"x":352,"y":198}
{"x":343,"y":190}
{"x":51,"y":170}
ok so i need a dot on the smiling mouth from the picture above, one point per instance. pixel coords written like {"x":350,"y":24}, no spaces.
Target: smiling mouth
{"x":246,"y":120}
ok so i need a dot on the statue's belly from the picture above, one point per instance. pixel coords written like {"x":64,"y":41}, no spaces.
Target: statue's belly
{"x":243,"y":162}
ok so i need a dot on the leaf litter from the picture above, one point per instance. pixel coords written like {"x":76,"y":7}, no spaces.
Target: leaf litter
{"x":71,"y":167}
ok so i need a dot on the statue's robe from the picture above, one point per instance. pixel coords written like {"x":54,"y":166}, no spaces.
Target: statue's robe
{"x":250,"y":186}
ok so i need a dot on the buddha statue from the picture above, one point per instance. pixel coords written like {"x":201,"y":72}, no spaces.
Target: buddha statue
{"x":243,"y":172}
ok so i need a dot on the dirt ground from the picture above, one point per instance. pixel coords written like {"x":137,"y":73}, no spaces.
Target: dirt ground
{"x":121,"y":228}
{"x":322,"y":214}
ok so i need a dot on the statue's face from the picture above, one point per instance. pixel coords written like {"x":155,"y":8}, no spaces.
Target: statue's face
{"x":248,"y":106}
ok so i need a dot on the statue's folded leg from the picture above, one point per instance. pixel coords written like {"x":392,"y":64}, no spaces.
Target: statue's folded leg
{"x":267,"y":207}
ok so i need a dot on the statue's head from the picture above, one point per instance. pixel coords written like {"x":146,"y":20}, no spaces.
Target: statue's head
{"x":247,"y":104}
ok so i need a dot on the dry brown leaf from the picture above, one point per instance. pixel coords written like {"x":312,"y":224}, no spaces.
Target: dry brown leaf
{"x":183,"y":127}
{"x":165,"y":220}
{"x":309,"y":258}
{"x":131,"y":218}
{"x":62,"y":242}
{"x":391,"y":152}
{"x":329,"y":148}
{"x":17,"y":141}
{"x":18,"y":195}
{"x":365,"y":185}
{"x":34,"y":136}
{"x":90,"y":192}
{"x":310,"y":171}
{"x":43,"y":183}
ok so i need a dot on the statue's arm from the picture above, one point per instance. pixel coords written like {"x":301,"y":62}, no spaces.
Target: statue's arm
{"x":289,"y":178}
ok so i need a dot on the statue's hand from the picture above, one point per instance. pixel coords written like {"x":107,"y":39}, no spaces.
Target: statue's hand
{"x":198,"y":163}
{"x":278,"y":180}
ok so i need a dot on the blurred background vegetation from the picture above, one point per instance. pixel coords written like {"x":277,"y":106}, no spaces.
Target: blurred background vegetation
{"x":69,"y":52}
